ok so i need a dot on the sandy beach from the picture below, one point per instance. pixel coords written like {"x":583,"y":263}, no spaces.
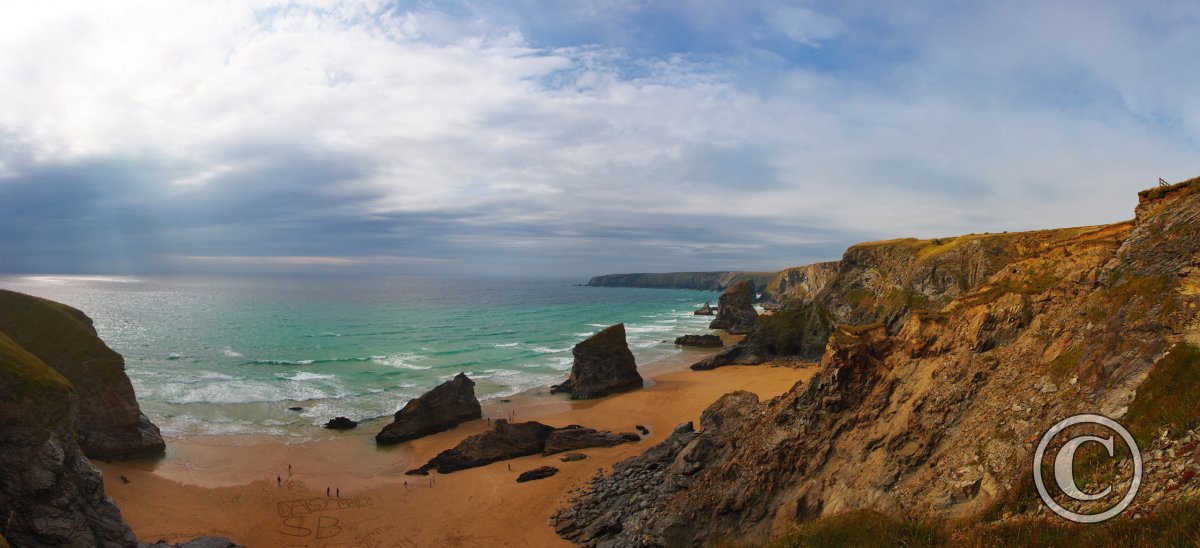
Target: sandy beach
{"x":267,"y":491}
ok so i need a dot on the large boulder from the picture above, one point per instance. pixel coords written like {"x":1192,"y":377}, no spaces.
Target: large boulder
{"x":575,"y":437}
{"x":449,"y":404}
{"x":509,"y":440}
{"x":109,"y":423}
{"x":538,"y":473}
{"x":504,"y":441}
{"x":735,"y":309}
{"x":703,"y":341}
{"x":603,"y":365}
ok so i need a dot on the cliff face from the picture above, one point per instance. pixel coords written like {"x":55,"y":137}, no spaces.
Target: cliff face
{"x":50,"y":495}
{"x":704,"y":281}
{"x":109,"y":423}
{"x":946,"y":360}
{"x":799,"y":284}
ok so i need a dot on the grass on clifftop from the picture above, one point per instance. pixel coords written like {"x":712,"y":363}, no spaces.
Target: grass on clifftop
{"x":22,"y":374}
{"x":58,"y":335}
{"x":1177,"y":525}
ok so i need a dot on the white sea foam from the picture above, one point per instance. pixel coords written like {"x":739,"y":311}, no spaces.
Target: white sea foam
{"x":647,"y":328}
{"x":402,"y":361}
{"x":306,"y":376}
{"x":232,"y":353}
{"x":545,"y":350}
{"x":506,"y":345}
{"x":174,"y":356}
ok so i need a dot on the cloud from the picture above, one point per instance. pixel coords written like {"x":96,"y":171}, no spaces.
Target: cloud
{"x":565,"y":139}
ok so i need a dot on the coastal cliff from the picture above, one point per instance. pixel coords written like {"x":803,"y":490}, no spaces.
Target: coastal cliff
{"x":943,"y":361}
{"x":109,"y":423}
{"x":50,"y":495}
{"x":704,"y":281}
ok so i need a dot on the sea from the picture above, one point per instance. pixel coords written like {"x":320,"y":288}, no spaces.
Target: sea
{"x":225,"y":355}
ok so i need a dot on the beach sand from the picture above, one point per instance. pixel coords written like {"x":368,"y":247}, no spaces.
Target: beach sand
{"x":241,"y":487}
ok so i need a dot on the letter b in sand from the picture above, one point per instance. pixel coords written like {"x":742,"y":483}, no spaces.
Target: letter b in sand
{"x":328,"y":527}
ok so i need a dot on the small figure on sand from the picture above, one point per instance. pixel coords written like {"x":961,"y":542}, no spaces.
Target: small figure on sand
{"x":339,"y":492}
{"x":510,"y":467}
{"x":406,"y":486}
{"x":327,"y":491}
{"x":279,"y":481}
{"x":431,"y":482}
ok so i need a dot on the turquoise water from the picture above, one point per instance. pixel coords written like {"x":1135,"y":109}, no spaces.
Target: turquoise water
{"x":225,"y":355}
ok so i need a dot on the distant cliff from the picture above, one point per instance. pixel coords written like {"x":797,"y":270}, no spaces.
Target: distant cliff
{"x":704,"y":281}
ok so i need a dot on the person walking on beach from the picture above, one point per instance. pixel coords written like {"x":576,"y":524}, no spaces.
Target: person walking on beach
{"x":406,"y":486}
{"x":327,"y":491}
{"x":339,"y":492}
{"x":279,"y":481}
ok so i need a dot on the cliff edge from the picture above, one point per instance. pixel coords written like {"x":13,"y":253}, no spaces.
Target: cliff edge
{"x":110,"y":423}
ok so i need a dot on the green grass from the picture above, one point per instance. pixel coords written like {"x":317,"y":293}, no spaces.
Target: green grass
{"x":23,"y":375}
{"x":861,"y":528}
{"x":1169,"y":397}
{"x":795,"y":330}
{"x":1174,"y":525}
{"x":1191,"y":185}
{"x":58,"y":335}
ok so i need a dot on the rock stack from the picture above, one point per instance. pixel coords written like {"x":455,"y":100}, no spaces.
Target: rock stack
{"x":603,"y":365}
{"x":735,"y":309}
{"x":446,"y":406}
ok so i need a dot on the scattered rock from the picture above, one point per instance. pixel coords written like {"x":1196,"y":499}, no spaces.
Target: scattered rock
{"x":603,"y":365}
{"x":537,"y":474}
{"x":705,"y":310}
{"x":645,"y":431}
{"x":703,"y":341}
{"x":572,"y":457}
{"x":341,"y":423}
{"x":295,"y":409}
{"x":449,"y":404}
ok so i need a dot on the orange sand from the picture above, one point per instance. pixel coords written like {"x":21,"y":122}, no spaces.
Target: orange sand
{"x":226,"y":485}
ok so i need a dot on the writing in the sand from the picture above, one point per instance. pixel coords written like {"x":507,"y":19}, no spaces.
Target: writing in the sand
{"x":307,"y":518}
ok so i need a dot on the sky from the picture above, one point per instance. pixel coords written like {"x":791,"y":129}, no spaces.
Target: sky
{"x":567,"y":139}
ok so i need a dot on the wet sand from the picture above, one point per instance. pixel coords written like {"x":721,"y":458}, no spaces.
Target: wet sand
{"x":241,"y":486}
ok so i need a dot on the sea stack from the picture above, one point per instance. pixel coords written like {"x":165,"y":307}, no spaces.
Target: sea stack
{"x":603,"y":365}
{"x":109,"y":423}
{"x":446,"y":406}
{"x":735,"y":309}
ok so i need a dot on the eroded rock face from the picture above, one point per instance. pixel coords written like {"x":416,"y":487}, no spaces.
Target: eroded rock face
{"x":735,"y":309}
{"x":446,"y":406}
{"x":54,"y":495}
{"x":511,"y":440}
{"x":603,"y":365}
{"x":942,"y":357}
{"x":110,"y":423}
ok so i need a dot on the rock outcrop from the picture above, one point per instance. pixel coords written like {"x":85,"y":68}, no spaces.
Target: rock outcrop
{"x":799,"y":284}
{"x":110,"y":423}
{"x":341,"y":423}
{"x":735,"y":309}
{"x":511,"y":440}
{"x":50,"y":494}
{"x":446,"y":406}
{"x":704,"y":281}
{"x":575,"y":437}
{"x":702,"y":341}
{"x":944,"y":359}
{"x":603,"y":365}
{"x":705,"y":310}
{"x":538,"y":473}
